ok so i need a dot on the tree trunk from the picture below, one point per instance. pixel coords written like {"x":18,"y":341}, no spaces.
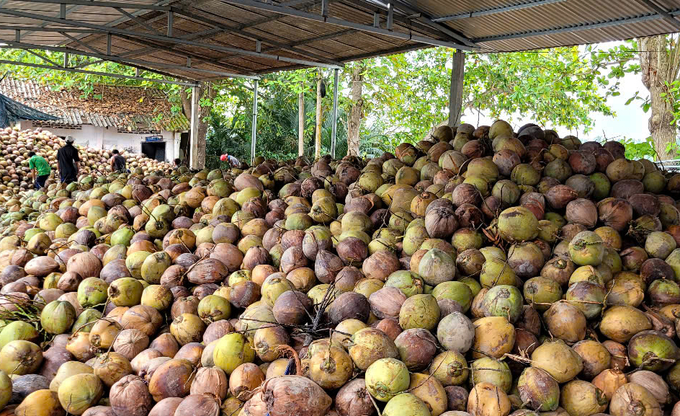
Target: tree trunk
{"x":207,"y":92}
{"x":659,"y":66}
{"x":356,"y":111}
{"x":317,"y":147}
{"x":301,"y":123}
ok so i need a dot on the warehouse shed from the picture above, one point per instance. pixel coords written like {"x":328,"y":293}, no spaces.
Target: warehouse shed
{"x":194,"y":41}
{"x":139,"y":120}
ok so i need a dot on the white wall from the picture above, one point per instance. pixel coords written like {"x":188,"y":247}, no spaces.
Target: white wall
{"x":109,"y":138}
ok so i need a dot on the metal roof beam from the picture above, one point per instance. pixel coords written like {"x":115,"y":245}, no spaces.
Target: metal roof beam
{"x":328,"y":36}
{"x":661,"y":11}
{"x":161,"y":38}
{"x":525,"y":4}
{"x":133,"y":62}
{"x":345,"y":23}
{"x":136,"y":6}
{"x":578,"y":27}
{"x":415,"y":13}
{"x":277,"y":45}
{"x":104,"y":74}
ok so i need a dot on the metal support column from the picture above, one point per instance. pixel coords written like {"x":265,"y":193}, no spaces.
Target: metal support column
{"x":334,"y":132}
{"x":193,"y":135}
{"x":456,"y":91}
{"x":253,"y":137}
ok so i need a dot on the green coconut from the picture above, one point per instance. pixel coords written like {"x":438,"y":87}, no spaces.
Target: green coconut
{"x":157,"y":296}
{"x":490,"y":370}
{"x":503,"y":300}
{"x":652,"y":350}
{"x":541,"y":292}
{"x":17,"y":330}
{"x":408,"y":282}
{"x":386,"y":378}
{"x":20,"y":357}
{"x":153,"y":267}
{"x":126,"y":291}
{"x":517,"y":224}
{"x":419,"y":311}
{"x":134,"y":263}
{"x":57,"y":317}
{"x":587,"y":248}
{"x":80,"y":392}
{"x":538,"y":389}
{"x":86,"y":320}
{"x":92,"y":291}
{"x":231,"y":351}
{"x":456,"y":291}
{"x":214,"y":308}
{"x":437,"y":267}
{"x":497,"y":272}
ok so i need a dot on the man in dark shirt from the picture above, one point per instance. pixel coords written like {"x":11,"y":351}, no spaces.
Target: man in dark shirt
{"x":117,"y":162}
{"x":68,"y":160}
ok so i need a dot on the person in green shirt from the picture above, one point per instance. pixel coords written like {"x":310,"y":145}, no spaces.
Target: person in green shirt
{"x":40,"y":169}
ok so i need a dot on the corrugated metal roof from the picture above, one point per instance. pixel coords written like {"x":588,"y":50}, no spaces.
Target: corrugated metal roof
{"x":113,"y":109}
{"x":212,"y":37}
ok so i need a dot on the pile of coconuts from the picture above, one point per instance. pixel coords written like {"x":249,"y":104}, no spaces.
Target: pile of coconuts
{"x":481,"y":272}
{"x":15,"y":145}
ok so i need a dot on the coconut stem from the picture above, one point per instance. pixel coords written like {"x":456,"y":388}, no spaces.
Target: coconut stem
{"x":285,"y":350}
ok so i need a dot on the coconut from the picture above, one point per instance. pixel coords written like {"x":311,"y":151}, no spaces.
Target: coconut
{"x":79,"y":392}
{"x":486,"y":399}
{"x":289,"y":395}
{"x":231,"y":351}
{"x":173,"y":378}
{"x":353,"y":399}
{"x":620,"y":323}
{"x":111,"y":367}
{"x":503,"y":300}
{"x":40,"y":402}
{"x":489,"y":370}
{"x":560,"y":361}
{"x":632,"y":399}
{"x":386,"y":378}
{"x":596,"y":358}
{"x":292,"y":308}
{"x":417,"y":347}
{"x":369,"y":345}
{"x":609,"y":381}
{"x":538,"y":389}
{"x":130,"y":396}
{"x":652,"y":350}
{"x":20,"y":357}
{"x":494,"y":336}
{"x":246,"y":378}
{"x":418,"y":311}
{"x":349,"y":305}
{"x":579,"y":397}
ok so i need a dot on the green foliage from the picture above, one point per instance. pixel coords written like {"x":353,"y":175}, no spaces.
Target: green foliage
{"x":639,"y":150}
{"x":405,"y":96}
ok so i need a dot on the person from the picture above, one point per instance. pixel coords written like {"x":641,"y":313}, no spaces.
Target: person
{"x":233,"y":162}
{"x":69,"y":161}
{"x":40,"y":169}
{"x":117,"y":162}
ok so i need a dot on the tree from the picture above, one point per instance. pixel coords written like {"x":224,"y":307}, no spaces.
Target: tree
{"x":356,"y":109}
{"x":660,"y":63}
{"x":206,"y":94}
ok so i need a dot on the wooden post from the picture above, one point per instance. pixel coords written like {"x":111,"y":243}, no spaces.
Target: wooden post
{"x":301,"y":123}
{"x":456,"y":91}
{"x":193,"y":135}
{"x":317,"y":149}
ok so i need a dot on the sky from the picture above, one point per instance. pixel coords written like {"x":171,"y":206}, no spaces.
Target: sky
{"x":630,"y":121}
